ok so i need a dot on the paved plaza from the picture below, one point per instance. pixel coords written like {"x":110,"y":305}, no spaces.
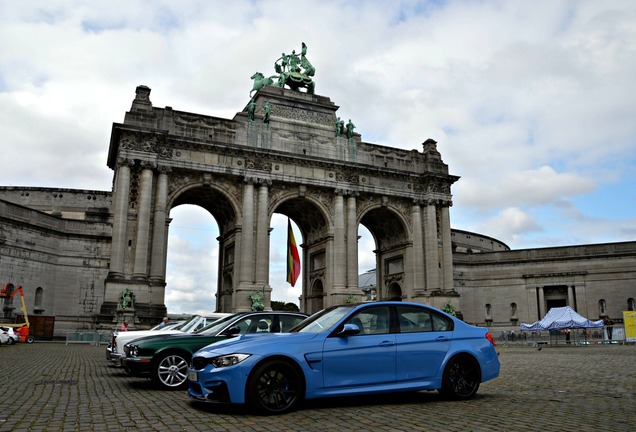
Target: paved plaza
{"x":58,"y":387}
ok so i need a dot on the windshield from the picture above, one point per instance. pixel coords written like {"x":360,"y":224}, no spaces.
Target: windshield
{"x":323,"y":320}
{"x":213,"y":328}
{"x":189,"y":324}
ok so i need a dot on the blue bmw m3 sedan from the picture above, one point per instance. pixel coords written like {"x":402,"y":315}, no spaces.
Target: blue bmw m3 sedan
{"x":353,"y":349}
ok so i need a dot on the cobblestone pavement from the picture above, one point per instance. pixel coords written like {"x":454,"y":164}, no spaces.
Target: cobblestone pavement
{"x":57,"y":387}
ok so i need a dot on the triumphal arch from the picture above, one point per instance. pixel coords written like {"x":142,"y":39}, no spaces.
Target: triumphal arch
{"x":286,"y":152}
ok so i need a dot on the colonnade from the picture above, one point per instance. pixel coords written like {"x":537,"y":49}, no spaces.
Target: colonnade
{"x":144,"y":268}
{"x":426,"y":247}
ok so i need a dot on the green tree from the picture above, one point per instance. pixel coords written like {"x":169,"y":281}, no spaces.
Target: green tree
{"x":282,"y":306}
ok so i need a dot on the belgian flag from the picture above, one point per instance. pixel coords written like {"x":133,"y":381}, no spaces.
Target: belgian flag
{"x":293,"y":259}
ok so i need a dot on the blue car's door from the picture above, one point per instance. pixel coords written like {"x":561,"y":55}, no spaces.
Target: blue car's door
{"x":422,"y":343}
{"x":364,"y":359}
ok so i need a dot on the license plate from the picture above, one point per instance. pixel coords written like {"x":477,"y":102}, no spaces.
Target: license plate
{"x":192,"y":376}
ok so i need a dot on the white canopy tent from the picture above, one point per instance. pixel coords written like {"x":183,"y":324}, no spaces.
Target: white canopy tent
{"x":562,"y":318}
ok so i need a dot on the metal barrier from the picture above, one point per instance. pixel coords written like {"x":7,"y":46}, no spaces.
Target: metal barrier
{"x":601,"y":336}
{"x":87,"y":337}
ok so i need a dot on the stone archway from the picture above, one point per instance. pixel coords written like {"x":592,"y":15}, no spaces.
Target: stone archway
{"x":290,"y":161}
{"x":314,"y":300}
{"x":394,"y":292}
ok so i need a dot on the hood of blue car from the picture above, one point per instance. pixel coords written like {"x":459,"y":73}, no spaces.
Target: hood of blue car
{"x":250,"y":343}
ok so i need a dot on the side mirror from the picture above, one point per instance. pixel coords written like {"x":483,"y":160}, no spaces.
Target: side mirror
{"x":349,"y":330}
{"x":232,"y":331}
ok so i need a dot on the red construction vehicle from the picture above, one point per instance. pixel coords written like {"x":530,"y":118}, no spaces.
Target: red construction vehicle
{"x":22,"y":328}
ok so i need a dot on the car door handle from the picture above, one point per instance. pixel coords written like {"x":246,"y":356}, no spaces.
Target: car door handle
{"x":387,"y":343}
{"x":442,"y":339}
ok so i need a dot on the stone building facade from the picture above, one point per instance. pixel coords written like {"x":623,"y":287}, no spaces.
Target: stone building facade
{"x":75,"y":251}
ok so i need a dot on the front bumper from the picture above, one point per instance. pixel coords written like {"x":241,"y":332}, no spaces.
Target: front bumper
{"x":221,"y":385}
{"x":137,"y":366}
{"x":114,"y":356}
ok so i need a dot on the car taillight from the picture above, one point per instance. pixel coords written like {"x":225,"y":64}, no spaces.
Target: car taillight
{"x":490,"y":339}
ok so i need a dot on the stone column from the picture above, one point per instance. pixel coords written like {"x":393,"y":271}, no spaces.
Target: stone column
{"x":246,"y":273}
{"x":262,"y":235}
{"x":338,"y":242}
{"x":431,"y":250}
{"x":419,"y":282}
{"x":541,"y":303}
{"x":120,"y":220}
{"x":352,"y":245}
{"x":447,"y":248}
{"x":571,"y":297}
{"x":159,"y":229}
{"x":143,"y":222}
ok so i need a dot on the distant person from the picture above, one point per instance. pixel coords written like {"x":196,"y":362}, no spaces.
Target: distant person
{"x":164,"y":322}
{"x":124,"y":327}
{"x":609,"y":324}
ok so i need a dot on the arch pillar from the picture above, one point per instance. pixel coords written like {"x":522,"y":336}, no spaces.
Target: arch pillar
{"x":143,"y":222}
{"x":352,"y":244}
{"x":419,"y":274}
{"x":240,"y":301}
{"x":262,"y":239}
{"x":120,"y":220}
{"x":447,"y":248}
{"x":431,"y":247}
{"x":339,"y":251}
{"x":159,"y":230}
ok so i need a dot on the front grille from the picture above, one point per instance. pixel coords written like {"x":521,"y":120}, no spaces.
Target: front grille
{"x":199,"y":363}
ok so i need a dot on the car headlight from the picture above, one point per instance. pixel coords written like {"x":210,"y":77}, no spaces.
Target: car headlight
{"x":228,"y":360}
{"x":131,"y":350}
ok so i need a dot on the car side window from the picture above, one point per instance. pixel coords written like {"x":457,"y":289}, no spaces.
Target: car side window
{"x":260,"y":324}
{"x":371,"y":320}
{"x":287,"y":322}
{"x":441,"y":323}
{"x":243,"y":325}
{"x":414,"y":319}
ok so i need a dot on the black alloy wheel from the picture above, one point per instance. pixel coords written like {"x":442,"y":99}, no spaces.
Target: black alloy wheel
{"x":274,"y":387}
{"x":461,"y":377}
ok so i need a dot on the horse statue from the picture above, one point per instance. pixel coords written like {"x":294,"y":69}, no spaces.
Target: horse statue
{"x":294,"y":71}
{"x":260,"y":81}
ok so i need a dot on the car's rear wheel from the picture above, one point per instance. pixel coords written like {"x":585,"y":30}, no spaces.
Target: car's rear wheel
{"x":274,"y":387}
{"x":170,"y":371}
{"x":461,"y":377}
{"x":11,"y":341}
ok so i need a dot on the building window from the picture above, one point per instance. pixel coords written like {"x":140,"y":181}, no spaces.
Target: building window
{"x":488,"y":313}
{"x":631,"y":304}
{"x":37,"y":304}
{"x":602,"y":307}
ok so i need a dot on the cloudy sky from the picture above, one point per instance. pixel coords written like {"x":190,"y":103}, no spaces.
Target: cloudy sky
{"x":533,"y":103}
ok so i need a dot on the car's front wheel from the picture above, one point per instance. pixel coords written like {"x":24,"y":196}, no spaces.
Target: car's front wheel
{"x":170,"y":371}
{"x":461,"y":377}
{"x":274,"y":387}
